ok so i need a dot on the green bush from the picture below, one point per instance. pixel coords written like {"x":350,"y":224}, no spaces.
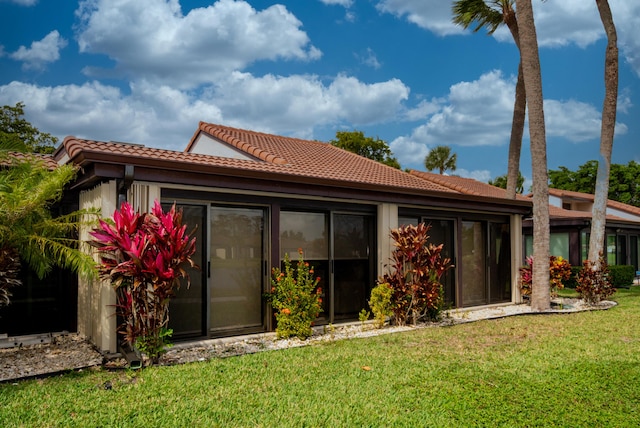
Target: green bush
{"x":621,"y":276}
{"x":295,"y":297}
{"x":380,"y":303}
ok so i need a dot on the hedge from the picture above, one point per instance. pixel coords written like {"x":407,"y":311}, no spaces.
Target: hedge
{"x":622,"y":276}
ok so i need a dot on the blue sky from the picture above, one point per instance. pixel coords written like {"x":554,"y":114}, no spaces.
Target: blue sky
{"x":148,"y":71}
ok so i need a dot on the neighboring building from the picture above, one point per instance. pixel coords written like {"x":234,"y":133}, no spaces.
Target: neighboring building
{"x":256,"y":197}
{"x":570,"y":222}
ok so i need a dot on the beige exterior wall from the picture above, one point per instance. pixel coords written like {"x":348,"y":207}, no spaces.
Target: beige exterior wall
{"x":516,"y":257}
{"x":96,"y":298}
{"x":142,"y":196}
{"x":387,"y":220}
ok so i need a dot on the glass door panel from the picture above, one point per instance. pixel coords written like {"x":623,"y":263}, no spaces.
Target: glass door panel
{"x":352,"y":269}
{"x":308,"y":232}
{"x":186,"y":309}
{"x":237,"y":257}
{"x":441,"y":232}
{"x":499,"y":263}
{"x":473,"y":252}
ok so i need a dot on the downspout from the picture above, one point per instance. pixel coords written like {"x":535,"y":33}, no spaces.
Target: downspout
{"x":125,"y":184}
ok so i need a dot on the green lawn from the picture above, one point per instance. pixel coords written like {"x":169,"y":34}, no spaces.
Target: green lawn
{"x":580,"y":369}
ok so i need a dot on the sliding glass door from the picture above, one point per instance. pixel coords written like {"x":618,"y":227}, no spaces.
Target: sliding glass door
{"x":237,"y":255}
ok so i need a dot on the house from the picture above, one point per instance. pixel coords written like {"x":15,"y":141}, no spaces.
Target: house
{"x":255,"y":197}
{"x":570,"y":224}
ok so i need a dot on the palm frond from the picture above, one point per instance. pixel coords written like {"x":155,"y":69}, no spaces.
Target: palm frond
{"x":468,"y":12}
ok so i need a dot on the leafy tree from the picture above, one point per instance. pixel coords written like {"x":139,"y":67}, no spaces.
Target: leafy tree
{"x":623,"y":180}
{"x":596,"y":243}
{"x":440,"y":158}
{"x":540,"y":296}
{"x":371,"y":148}
{"x":17,"y":134}
{"x":501,"y":181}
{"x":492,"y":14}
{"x":28,"y":231}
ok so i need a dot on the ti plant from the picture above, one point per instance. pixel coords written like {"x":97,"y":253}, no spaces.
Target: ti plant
{"x":144,"y":256}
{"x":416,"y":268}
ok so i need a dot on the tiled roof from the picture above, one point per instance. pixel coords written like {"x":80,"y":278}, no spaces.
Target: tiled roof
{"x":467,"y":186}
{"x":47,"y":160}
{"x":568,"y":194}
{"x":290,"y":157}
{"x":561,"y":213}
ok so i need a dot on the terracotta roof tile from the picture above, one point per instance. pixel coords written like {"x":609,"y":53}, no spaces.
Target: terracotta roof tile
{"x":590,"y":198}
{"x":47,"y":160}
{"x":282,"y":155}
{"x":467,"y":186}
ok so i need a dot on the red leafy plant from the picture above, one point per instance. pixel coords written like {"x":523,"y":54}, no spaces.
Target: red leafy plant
{"x":144,"y":256}
{"x":594,"y":284}
{"x":295,"y":298}
{"x":559,"y":272}
{"x":414,"y":277}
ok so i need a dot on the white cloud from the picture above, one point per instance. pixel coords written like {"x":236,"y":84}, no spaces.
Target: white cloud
{"x":432,"y":15}
{"x":558,"y":23}
{"x":574,"y":121}
{"x":41,"y":52}
{"x":479,"y":113}
{"x":161,"y":116}
{"x":344,"y":3}
{"x":296,"y":104}
{"x":154,"y":40}
{"x":483,"y":175}
{"x":369,"y":59}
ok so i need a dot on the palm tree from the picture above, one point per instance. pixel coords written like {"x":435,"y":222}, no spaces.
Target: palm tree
{"x":540,"y":296}
{"x":440,"y":158}
{"x":28,"y":231}
{"x":607,"y":129}
{"x":492,"y":15}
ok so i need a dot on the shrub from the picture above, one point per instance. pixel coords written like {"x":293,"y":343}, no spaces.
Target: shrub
{"x":416,"y":269}
{"x":621,"y":276}
{"x":144,"y":256}
{"x":295,"y":297}
{"x":571,"y":282}
{"x":380,"y":303}
{"x":594,"y":285}
{"x":559,"y":273}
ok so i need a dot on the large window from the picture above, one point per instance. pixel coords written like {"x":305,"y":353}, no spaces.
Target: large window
{"x":558,"y":245}
{"x":338,"y":246}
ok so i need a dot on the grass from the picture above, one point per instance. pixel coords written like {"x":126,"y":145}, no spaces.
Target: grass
{"x":580,"y":369}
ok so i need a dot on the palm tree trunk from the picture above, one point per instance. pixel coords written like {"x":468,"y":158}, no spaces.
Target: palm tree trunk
{"x":517,"y":130}
{"x":519,"y":108}
{"x":540,"y":293}
{"x":598,"y":220}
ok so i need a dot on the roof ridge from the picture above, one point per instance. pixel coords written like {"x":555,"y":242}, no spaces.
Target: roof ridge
{"x":222,"y":133}
{"x":437,"y":180}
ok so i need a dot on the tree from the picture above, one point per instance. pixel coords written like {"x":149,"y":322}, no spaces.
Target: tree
{"x":501,"y":181}
{"x":492,"y":15}
{"x":368,"y":147}
{"x":623,"y":180}
{"x":540,"y":296}
{"x":28,"y":231}
{"x":18,"y":135}
{"x":599,"y":213}
{"x":440,"y":158}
